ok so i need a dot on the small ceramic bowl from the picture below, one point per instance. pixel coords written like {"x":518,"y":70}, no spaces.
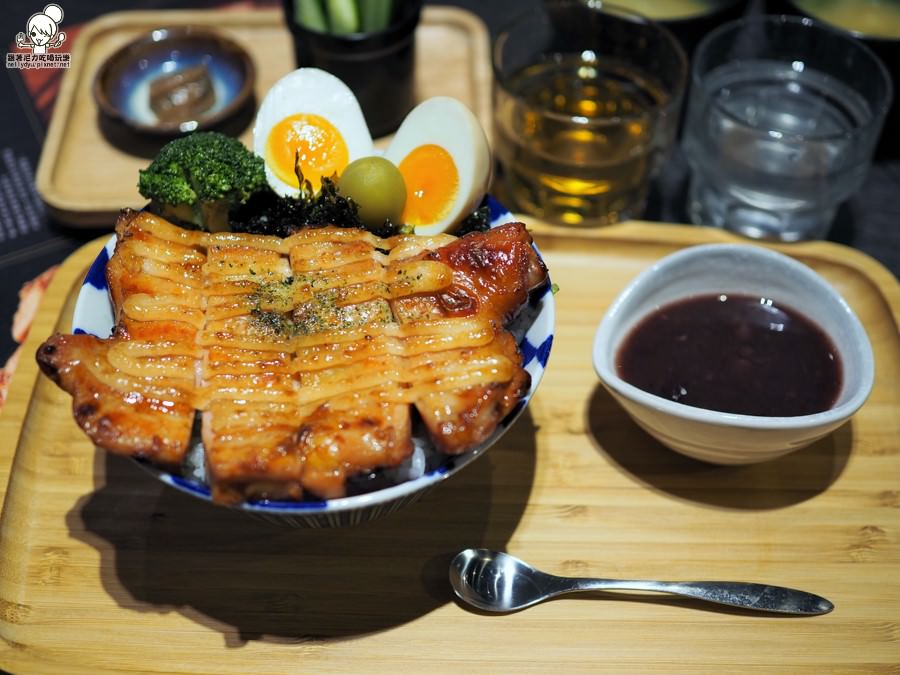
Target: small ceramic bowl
{"x":727,"y":438}
{"x":122,"y":87}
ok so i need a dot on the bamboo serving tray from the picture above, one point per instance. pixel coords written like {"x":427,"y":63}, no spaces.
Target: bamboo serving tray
{"x":104,"y":569}
{"x":88,"y":167}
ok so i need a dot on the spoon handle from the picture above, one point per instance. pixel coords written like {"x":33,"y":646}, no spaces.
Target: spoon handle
{"x":759,"y":597}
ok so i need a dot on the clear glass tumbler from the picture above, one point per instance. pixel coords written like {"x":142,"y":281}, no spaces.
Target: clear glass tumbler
{"x":586,"y":104}
{"x":783,"y":118}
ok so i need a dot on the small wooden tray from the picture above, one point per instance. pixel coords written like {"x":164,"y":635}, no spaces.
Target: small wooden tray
{"x":88,"y":168}
{"x":102,"y":568}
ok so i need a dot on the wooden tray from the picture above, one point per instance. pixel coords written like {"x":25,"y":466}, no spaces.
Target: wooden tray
{"x":103,"y":569}
{"x":88,"y":168}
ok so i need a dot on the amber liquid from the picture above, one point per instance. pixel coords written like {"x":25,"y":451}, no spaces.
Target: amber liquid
{"x":578,"y":140}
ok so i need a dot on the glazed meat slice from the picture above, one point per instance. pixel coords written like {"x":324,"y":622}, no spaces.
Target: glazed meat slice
{"x":156,"y":272}
{"x":261,"y":451}
{"x":249,"y":424}
{"x":122,"y":412}
{"x":462,"y":418}
{"x":493,"y":274}
{"x":134,"y":393}
{"x":356,"y":435}
{"x":278,"y":425}
{"x":251,"y":452}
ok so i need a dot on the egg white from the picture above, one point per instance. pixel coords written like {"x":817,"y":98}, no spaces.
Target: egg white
{"x":311,"y":91}
{"x":448,"y":123}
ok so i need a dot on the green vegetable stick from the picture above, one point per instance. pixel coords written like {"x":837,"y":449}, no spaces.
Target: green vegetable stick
{"x":309,"y":14}
{"x":375,"y":14}
{"x":342,"y":16}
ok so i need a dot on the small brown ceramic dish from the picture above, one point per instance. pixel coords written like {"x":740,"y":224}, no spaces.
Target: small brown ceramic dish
{"x":175,"y":80}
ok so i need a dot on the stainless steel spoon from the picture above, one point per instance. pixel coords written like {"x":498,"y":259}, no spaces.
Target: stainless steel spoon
{"x":498,"y":582}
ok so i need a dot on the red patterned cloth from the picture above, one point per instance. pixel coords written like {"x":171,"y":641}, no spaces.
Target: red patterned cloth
{"x":29,"y":300}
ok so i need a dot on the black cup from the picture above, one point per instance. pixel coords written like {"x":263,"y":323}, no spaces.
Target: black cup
{"x":378,"y":67}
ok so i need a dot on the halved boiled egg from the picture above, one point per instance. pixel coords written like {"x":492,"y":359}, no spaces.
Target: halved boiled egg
{"x":309,"y":118}
{"x":443,"y":155}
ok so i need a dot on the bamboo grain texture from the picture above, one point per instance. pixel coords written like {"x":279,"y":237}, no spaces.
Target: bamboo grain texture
{"x":103,"y":569}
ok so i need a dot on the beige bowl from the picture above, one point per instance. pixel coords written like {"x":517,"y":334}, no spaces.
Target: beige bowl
{"x":727,"y":438}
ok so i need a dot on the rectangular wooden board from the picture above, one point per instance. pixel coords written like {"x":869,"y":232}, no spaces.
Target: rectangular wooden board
{"x":88,"y":169}
{"x":103,"y":569}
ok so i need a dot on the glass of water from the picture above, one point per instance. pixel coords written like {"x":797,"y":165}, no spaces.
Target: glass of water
{"x":586,"y":104}
{"x":783,"y":117}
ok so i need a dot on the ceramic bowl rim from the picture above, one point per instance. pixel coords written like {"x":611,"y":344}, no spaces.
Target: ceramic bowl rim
{"x":161,"y":35}
{"x":616,"y":384}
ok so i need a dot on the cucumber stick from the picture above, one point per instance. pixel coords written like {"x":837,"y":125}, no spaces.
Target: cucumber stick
{"x":375,"y":15}
{"x":343,"y":16}
{"x":309,"y":14}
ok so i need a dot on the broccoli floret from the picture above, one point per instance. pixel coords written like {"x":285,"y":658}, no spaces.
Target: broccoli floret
{"x":199,"y":178}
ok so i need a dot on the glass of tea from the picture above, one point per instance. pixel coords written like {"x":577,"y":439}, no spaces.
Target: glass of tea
{"x":586,"y":104}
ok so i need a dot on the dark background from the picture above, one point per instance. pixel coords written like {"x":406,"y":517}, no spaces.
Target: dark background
{"x":31,"y":241}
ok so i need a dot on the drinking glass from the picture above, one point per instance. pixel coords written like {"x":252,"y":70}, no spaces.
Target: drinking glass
{"x":783,"y":117}
{"x":586,"y":105}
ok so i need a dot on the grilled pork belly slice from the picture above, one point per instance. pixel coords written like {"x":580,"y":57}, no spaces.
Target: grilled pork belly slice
{"x":493,"y":274}
{"x":147,"y":418}
{"x":251,"y":451}
{"x":460,"y":419}
{"x":356,"y":435}
{"x":135,"y":394}
{"x":303,"y":355}
{"x":155,"y":262}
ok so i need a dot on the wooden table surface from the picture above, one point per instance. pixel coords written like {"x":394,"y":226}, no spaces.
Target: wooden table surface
{"x":104,"y":569}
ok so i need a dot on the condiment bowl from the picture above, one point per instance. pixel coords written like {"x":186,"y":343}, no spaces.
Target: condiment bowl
{"x":123,"y":82}
{"x":721,"y":437}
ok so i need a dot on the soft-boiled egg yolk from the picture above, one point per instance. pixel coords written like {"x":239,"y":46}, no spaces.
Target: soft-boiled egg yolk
{"x":311,"y":143}
{"x":309,"y":118}
{"x":445,"y":161}
{"x":432,"y":183}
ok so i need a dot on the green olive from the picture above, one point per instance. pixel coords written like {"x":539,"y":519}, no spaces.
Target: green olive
{"x":377,"y":186}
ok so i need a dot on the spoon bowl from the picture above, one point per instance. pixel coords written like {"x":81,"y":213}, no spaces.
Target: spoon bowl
{"x":498,"y":582}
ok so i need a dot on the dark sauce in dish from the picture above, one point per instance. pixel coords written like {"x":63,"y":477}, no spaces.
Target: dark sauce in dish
{"x":182,"y":95}
{"x":733,"y":353}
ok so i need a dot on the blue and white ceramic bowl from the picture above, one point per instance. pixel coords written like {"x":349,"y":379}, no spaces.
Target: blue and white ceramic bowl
{"x":122,"y":85}
{"x":534,"y":329}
